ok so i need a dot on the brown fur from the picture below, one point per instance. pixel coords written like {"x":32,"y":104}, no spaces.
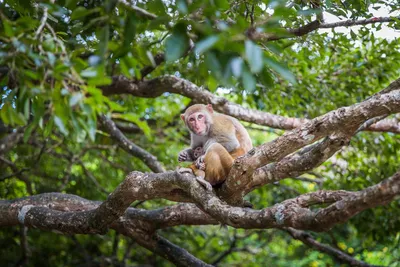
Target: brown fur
{"x":227,"y":132}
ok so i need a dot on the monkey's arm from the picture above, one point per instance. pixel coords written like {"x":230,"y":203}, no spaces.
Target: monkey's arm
{"x":195,"y":150}
{"x":186,"y":155}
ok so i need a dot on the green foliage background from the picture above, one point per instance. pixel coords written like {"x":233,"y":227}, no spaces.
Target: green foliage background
{"x":295,"y":77}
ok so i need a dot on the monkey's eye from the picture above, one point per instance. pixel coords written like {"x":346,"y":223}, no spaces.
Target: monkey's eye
{"x":200,"y":117}
{"x":191,"y":120}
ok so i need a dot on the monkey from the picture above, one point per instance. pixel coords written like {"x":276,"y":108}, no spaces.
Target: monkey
{"x":222,"y":139}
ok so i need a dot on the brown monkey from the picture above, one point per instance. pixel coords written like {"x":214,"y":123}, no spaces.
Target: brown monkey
{"x":222,"y":139}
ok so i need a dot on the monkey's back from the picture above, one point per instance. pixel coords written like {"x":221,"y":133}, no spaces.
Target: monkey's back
{"x":231,"y":126}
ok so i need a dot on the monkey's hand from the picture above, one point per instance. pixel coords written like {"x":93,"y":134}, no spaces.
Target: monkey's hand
{"x":185,"y":155}
{"x":200,"y":164}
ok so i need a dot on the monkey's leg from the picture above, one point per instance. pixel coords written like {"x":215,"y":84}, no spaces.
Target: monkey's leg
{"x":218,"y":163}
{"x":237,"y":153}
{"x":199,"y":174}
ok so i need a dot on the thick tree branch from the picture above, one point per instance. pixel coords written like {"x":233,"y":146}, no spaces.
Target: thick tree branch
{"x":344,"y":121}
{"x":150,"y":160}
{"x":297,"y":164}
{"x":290,"y":213}
{"x":68,"y":213}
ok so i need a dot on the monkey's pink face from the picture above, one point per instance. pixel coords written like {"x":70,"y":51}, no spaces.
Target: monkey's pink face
{"x":197,"y":122}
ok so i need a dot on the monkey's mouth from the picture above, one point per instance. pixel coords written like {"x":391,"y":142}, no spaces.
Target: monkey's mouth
{"x":201,"y":132}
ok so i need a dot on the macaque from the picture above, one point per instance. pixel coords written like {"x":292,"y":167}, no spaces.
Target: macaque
{"x":219,"y":139}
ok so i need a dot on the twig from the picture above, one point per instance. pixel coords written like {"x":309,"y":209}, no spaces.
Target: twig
{"x":336,"y":253}
{"x":42,"y":22}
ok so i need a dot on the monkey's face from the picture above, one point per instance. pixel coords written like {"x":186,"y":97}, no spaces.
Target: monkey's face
{"x":198,"y":123}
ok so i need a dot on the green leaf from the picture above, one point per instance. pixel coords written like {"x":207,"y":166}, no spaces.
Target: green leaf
{"x":48,"y":128}
{"x":132,"y":117}
{"x":79,"y":12}
{"x":249,"y":82}
{"x":281,"y":69}
{"x":60,"y":124}
{"x":51,"y":58}
{"x":206,"y":44}
{"x":177,"y":43}
{"x":28,"y":132}
{"x":113,"y":105}
{"x":182,"y":6}
{"x":8,"y":30}
{"x":89,"y":73}
{"x":237,"y":66}
{"x":222,"y":4}
{"x":213,"y":64}
{"x":75,"y":99}
{"x":157,"y":7}
{"x":309,"y":12}
{"x":129,"y":29}
{"x":10,"y":116}
{"x":92,"y":127}
{"x":353,"y":35}
{"x":71,"y":3}
{"x":328,"y":3}
{"x":254,"y":56}
{"x":103,"y":40}
{"x":102,"y":80}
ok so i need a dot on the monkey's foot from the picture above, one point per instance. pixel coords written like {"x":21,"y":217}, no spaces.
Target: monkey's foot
{"x":204,"y":183}
{"x":184,"y":170}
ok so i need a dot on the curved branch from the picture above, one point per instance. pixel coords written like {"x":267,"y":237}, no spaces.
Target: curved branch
{"x":297,"y":164}
{"x":157,"y":86}
{"x":290,"y":213}
{"x":343,"y":121}
{"x":315,"y":25}
{"x":68,"y":213}
{"x":150,"y":160}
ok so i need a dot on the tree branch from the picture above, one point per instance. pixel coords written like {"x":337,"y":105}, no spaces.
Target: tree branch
{"x":334,"y":252}
{"x":150,"y":160}
{"x":343,"y":121}
{"x":157,"y":86}
{"x":315,"y":25}
{"x":290,"y":213}
{"x":350,"y":22}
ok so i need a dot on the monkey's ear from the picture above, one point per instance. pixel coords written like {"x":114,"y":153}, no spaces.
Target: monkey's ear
{"x":210,"y":109}
{"x":183,"y":117}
